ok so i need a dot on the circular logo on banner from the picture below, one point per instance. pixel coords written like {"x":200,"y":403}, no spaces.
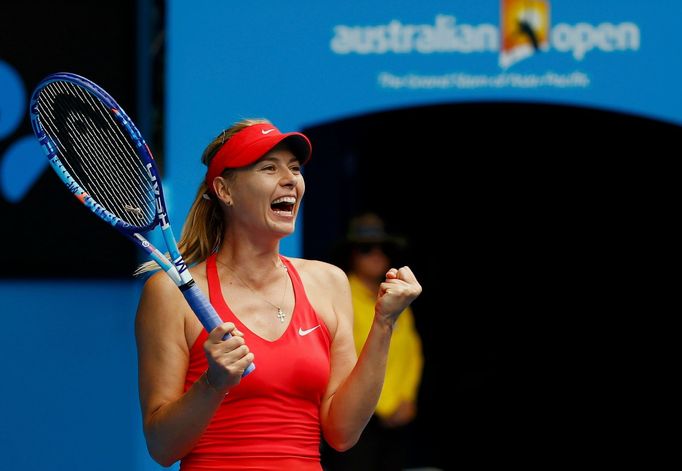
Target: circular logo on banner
{"x":12,"y":99}
{"x":23,"y":161}
{"x":20,"y":167}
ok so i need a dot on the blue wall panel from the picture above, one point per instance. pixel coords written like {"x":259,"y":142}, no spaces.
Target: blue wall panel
{"x":69,"y":386}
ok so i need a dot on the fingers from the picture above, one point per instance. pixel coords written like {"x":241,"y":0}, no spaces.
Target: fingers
{"x":227,"y":351}
{"x":384,"y":287}
{"x":405,"y":274}
{"x":396,"y":292}
{"x":244,"y":362}
{"x":229,"y":358}
{"x":236,"y":361}
{"x":234,"y":346}
{"x":219,"y":333}
{"x":230,"y":353}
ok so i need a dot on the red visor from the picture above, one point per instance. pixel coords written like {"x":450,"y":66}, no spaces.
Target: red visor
{"x":252,"y":143}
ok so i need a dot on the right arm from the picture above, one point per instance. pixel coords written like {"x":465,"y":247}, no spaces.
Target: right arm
{"x":173,"y":420}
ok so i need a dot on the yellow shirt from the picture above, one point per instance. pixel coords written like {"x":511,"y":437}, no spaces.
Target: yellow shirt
{"x":405,"y":360}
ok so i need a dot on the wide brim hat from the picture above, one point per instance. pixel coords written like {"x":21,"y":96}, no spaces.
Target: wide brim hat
{"x":368,"y":229}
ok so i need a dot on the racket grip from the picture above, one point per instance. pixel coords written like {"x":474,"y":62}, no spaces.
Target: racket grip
{"x":206,"y":314}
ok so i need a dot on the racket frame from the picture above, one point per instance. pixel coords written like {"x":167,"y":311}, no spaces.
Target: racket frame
{"x":176,"y":268}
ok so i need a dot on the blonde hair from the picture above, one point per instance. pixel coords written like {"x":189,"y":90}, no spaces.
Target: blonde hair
{"x":205,"y":224}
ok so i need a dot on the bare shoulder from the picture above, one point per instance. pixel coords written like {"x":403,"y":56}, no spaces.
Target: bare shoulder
{"x":315,"y":272}
{"x":158,"y":284}
{"x":160,"y":288}
{"x":327,"y":288}
{"x":161,"y":310}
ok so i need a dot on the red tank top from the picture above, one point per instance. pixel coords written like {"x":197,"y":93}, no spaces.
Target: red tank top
{"x":271,"y":420}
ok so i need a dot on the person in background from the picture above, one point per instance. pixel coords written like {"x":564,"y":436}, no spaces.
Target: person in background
{"x":384,"y":442}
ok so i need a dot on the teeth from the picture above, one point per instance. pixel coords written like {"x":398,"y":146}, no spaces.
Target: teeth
{"x":285,"y":199}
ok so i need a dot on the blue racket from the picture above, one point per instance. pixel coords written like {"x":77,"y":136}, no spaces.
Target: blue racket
{"x":103,"y":160}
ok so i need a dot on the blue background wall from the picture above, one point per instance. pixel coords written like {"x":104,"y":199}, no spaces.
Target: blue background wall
{"x":276,"y":60}
{"x":69,"y":397}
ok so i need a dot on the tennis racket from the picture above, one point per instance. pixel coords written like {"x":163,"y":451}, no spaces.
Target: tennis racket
{"x":103,"y":160}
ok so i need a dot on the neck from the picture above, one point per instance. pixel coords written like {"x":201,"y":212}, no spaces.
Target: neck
{"x":256,"y":265}
{"x":244,"y":244}
{"x":240,"y":251}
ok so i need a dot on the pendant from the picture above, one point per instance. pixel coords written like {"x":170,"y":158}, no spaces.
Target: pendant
{"x":281,"y":315}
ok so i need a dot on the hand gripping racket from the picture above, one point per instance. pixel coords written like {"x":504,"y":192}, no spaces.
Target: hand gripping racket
{"x":103,"y":160}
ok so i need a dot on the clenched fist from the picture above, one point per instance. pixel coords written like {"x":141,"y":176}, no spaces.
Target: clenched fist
{"x":397,"y":291}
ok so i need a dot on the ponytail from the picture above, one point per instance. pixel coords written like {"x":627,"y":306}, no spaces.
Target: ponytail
{"x":201,"y":233}
{"x":203,"y":229}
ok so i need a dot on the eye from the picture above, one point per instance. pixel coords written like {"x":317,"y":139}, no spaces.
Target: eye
{"x":295,"y":169}
{"x":268,"y":168}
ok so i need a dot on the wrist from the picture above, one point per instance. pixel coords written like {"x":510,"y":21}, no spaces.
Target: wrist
{"x":211,"y":386}
{"x":384,"y":324}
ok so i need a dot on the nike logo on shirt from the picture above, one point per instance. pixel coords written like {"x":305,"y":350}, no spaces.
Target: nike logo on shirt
{"x":302,"y":332}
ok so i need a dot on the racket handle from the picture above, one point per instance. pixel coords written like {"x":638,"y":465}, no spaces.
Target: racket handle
{"x":207,"y":316}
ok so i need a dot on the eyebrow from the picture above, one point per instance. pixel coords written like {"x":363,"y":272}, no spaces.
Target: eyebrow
{"x":275,"y":160}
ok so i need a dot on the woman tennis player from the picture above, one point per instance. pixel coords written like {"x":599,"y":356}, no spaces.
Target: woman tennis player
{"x":293,"y":316}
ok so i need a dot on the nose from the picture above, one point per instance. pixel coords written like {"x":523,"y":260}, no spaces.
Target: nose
{"x":288,"y":178}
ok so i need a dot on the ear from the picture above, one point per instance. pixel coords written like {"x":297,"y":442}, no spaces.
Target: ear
{"x":222,"y":190}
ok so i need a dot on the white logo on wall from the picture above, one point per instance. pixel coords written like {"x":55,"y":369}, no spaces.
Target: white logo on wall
{"x":446,"y":36}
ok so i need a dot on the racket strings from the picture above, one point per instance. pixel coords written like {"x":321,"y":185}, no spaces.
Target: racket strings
{"x":103,"y":163}
{"x":98,"y":153}
{"x":120,"y":140}
{"x":95,"y":180}
{"x":110,"y":156}
{"x":95,"y":167}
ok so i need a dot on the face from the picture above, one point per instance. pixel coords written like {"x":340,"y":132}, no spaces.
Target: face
{"x":267,"y":194}
{"x":370,"y":261}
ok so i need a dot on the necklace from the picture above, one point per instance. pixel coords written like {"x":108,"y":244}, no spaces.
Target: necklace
{"x":280,"y":314}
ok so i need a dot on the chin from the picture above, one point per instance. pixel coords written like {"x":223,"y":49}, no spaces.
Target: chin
{"x":284,"y":228}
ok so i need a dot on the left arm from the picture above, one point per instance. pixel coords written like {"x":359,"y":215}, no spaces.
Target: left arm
{"x":354,"y":387}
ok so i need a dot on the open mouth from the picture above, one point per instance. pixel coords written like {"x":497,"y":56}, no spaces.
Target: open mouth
{"x":284,"y":205}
